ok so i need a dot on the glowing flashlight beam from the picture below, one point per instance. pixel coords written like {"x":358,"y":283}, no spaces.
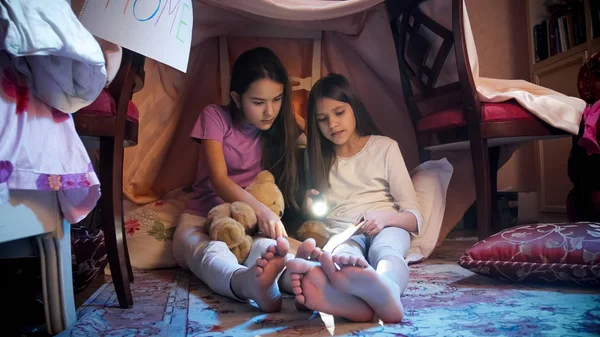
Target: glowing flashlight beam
{"x":319,"y":208}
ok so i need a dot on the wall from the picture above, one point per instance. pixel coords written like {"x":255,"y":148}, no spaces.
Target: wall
{"x":500,"y":32}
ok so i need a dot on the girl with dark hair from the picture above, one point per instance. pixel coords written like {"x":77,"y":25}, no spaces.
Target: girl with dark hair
{"x":364,"y":179}
{"x":256,"y":131}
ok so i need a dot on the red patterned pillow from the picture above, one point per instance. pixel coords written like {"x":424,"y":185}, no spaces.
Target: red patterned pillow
{"x":540,"y":252}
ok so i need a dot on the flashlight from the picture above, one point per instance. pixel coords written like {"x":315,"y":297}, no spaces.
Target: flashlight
{"x":319,"y":206}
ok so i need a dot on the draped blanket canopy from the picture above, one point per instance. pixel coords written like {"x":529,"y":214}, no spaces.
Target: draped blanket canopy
{"x":356,"y":42}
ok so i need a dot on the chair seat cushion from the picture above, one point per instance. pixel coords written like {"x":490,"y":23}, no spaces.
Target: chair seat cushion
{"x":105,"y":105}
{"x":490,"y":112}
{"x":540,"y":252}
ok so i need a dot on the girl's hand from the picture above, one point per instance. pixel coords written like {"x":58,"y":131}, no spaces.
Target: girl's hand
{"x":270,"y":225}
{"x":308,"y":201}
{"x":375,"y":223}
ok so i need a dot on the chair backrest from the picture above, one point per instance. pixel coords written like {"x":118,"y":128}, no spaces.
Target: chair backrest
{"x":423,"y":46}
{"x":129,"y":78}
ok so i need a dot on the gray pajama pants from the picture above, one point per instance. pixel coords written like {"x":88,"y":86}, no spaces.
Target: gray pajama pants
{"x":391,"y":241}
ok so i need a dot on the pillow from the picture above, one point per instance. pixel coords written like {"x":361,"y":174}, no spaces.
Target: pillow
{"x":540,"y":252}
{"x":150,"y":228}
{"x":430,"y":180}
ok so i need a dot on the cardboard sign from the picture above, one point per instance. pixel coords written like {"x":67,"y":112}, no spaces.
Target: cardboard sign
{"x":158,"y":29}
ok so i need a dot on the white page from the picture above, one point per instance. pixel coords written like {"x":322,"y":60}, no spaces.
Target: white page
{"x":158,"y":29}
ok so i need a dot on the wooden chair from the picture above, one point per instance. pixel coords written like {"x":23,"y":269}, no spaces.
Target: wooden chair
{"x":114,"y":119}
{"x":451,"y":116}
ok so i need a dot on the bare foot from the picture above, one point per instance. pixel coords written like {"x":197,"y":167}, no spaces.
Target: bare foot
{"x":258,"y":282}
{"x":305,"y":251}
{"x":356,"y":277}
{"x":346,"y":260}
{"x":313,"y":290}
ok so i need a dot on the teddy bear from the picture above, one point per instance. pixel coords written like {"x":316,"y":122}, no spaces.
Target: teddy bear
{"x":313,"y":229}
{"x":235,"y":223}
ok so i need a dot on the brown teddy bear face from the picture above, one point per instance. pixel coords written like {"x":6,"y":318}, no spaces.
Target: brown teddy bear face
{"x":264,"y":189}
{"x":270,"y":195}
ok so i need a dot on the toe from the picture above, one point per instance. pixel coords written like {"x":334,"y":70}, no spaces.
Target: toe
{"x":362,"y":262}
{"x":298,"y":266}
{"x":261,"y":262}
{"x":301,"y":299}
{"x":336,"y":259}
{"x":314,"y":255}
{"x":268,"y":255}
{"x":353,"y":259}
{"x":272,"y":249}
{"x":283,"y":246}
{"x":327,"y":264}
{"x":344,"y":260}
{"x":306,"y":248}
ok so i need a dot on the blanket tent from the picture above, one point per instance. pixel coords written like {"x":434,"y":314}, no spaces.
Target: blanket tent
{"x":312,"y":37}
{"x":354,"y":38}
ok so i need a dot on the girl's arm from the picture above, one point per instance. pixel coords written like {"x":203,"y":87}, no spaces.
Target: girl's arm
{"x":403,"y":219}
{"x":229,"y":191}
{"x":403,"y":192}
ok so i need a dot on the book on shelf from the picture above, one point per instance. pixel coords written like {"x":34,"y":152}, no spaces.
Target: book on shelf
{"x":563,"y":30}
{"x":595,"y":17}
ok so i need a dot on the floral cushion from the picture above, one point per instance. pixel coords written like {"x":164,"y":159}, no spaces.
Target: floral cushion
{"x":150,"y":228}
{"x":540,"y":252}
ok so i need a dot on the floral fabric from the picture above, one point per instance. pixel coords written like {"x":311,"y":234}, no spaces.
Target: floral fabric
{"x":41,"y":149}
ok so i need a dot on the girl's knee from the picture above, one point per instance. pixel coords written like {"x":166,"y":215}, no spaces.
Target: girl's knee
{"x":392,"y":241}
{"x":215,"y":245}
{"x":395,"y":232}
{"x":350,"y":248}
{"x":378,"y":252}
{"x":209,"y":250}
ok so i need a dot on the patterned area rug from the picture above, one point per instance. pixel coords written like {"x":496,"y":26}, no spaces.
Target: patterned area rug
{"x":442,"y":299}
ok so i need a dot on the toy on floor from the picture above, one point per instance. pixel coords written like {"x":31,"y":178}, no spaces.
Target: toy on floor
{"x":235,"y":223}
{"x":313,"y":229}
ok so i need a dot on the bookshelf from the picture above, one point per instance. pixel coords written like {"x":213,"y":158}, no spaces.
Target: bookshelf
{"x":569,"y":27}
{"x":560,"y":40}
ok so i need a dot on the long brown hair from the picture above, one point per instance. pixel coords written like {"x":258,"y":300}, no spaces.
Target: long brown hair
{"x":321,"y":151}
{"x":279,"y":142}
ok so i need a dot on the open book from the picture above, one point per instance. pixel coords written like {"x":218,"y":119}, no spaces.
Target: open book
{"x":338,"y":239}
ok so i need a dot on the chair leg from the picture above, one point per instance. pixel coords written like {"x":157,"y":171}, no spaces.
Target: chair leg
{"x":494,"y":159}
{"x":112,"y":222}
{"x":127,"y":260}
{"x":483,"y":190}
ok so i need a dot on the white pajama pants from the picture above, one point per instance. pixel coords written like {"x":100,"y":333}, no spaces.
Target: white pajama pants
{"x":211,"y":261}
{"x":391,"y":241}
